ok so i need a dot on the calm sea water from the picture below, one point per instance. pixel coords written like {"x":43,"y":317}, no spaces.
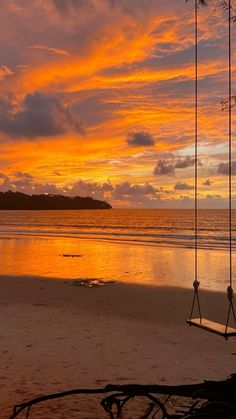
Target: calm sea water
{"x":155,"y":227}
{"x":152,"y":247}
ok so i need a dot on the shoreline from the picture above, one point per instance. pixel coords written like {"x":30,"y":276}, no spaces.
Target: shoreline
{"x":107,"y":261}
{"x":9,"y":235}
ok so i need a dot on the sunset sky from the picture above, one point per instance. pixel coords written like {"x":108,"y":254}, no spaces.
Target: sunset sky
{"x":97,"y":99}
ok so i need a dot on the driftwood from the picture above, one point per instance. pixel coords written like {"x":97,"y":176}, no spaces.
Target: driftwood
{"x":207,"y":400}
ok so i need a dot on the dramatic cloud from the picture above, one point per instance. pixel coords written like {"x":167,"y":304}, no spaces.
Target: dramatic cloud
{"x":223,"y":168}
{"x":23,"y":176}
{"x":120,"y":193}
{"x":166,"y":167}
{"x":66,"y":6}
{"x":140,"y":139}
{"x":24,"y":182}
{"x":180,"y":186}
{"x":94,"y":189}
{"x":207,"y":182}
{"x":5,"y":184}
{"x":51,"y":50}
{"x":117,"y":191}
{"x":5,"y":71}
{"x":131,"y":7}
{"x":184,"y":163}
{"x":127,"y":6}
{"x":94,"y":109}
{"x":40,"y":116}
{"x":120,"y":66}
{"x":163,"y":168}
{"x":127,"y":189}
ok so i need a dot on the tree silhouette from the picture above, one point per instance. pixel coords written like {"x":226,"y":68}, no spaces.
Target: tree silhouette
{"x":224,"y":4}
{"x":20,"y":201}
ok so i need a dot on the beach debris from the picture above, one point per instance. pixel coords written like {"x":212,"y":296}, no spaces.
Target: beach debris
{"x":208,"y":400}
{"x":68,"y":255}
{"x":91,"y":282}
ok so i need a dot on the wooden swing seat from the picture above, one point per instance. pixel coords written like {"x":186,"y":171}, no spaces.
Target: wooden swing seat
{"x":213,"y":327}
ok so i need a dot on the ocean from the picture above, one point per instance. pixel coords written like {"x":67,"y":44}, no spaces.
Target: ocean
{"x":153,"y":227}
{"x":132,"y":245}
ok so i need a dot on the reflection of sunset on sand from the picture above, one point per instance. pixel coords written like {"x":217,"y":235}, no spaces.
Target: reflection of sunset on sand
{"x":122,"y":262}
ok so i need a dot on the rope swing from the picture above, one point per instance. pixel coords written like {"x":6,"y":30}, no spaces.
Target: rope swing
{"x":220,"y":329}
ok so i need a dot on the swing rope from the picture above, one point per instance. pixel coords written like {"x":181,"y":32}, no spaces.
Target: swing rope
{"x":196,"y":283}
{"x":230,"y":293}
{"x":230,"y":146}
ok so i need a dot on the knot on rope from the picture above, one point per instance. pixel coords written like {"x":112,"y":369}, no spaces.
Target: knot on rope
{"x":196,"y":285}
{"x":230,"y":293}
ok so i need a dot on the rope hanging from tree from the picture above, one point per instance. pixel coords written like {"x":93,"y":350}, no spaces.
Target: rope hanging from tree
{"x":230,"y":293}
{"x":213,"y":327}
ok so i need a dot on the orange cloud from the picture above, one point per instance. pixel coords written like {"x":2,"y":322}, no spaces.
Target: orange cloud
{"x":134,"y":73}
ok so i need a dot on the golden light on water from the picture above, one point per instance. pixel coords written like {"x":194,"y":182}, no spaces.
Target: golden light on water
{"x":102,"y":260}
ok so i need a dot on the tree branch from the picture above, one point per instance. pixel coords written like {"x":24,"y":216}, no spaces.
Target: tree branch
{"x":214,"y":398}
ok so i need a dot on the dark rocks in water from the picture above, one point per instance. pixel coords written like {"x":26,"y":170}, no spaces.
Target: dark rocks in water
{"x":20,"y":201}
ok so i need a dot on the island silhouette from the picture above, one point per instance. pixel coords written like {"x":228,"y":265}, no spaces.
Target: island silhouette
{"x":19,"y":201}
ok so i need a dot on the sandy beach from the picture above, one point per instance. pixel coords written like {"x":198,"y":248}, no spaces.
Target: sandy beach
{"x":57,"y":336}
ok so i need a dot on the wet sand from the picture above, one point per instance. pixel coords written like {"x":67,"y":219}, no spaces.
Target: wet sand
{"x":125,"y":262}
{"x":56,"y":336}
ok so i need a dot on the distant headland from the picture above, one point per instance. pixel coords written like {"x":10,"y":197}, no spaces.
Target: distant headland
{"x":19,"y":201}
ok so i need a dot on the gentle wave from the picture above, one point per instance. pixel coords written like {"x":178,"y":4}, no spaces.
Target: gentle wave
{"x":141,"y":227}
{"x":113,"y":227}
{"x":177,"y":240}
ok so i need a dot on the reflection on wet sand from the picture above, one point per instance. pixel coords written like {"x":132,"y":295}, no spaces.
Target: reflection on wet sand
{"x":68,"y":258}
